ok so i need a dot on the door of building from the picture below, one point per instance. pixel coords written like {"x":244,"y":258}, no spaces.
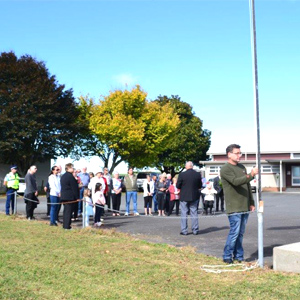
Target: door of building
{"x":295,"y":176}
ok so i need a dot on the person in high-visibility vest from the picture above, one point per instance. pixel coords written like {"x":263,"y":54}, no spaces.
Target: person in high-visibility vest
{"x":11,"y":181}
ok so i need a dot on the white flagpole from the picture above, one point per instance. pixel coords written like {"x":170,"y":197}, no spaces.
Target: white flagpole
{"x":259,"y":202}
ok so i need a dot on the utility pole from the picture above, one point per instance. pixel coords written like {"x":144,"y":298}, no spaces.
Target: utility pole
{"x":259,"y":202}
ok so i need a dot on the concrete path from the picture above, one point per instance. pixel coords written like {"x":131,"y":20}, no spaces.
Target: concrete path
{"x":281,"y":226}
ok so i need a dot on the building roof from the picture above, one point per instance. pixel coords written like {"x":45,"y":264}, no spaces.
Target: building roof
{"x":292,"y":160}
{"x":219,"y":162}
{"x":253,"y":152}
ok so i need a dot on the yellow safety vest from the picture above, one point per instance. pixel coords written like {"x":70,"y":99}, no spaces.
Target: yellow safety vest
{"x":13,"y":181}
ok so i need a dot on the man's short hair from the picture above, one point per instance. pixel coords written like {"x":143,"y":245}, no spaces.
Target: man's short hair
{"x":189,"y":165}
{"x":33,"y":167}
{"x":68,"y":166}
{"x":231,"y":147}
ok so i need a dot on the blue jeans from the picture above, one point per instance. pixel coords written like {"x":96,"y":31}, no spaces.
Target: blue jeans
{"x":53,"y":209}
{"x":132,"y":195}
{"x":80,"y":197}
{"x":10,"y":200}
{"x":155,"y":202}
{"x":234,"y":245}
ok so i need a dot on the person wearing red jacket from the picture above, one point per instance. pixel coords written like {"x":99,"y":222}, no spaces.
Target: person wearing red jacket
{"x":174,"y":197}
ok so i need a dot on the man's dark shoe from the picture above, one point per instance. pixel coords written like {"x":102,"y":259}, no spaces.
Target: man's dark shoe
{"x":239,"y":260}
{"x":228,"y":261}
{"x":195,"y":233}
{"x":181,"y":233}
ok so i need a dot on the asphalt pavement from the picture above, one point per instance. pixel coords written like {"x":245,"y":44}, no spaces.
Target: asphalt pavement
{"x":281,"y":226}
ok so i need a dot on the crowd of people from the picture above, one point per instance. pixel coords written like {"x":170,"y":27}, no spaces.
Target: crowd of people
{"x":91,"y":192}
{"x":80,"y":192}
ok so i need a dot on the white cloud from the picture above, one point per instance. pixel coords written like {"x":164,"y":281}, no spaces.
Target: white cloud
{"x":125,"y":79}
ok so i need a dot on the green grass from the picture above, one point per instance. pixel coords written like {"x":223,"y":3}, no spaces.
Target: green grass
{"x":42,"y":262}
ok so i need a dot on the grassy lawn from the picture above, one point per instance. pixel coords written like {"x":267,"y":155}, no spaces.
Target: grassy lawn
{"x":42,"y":262}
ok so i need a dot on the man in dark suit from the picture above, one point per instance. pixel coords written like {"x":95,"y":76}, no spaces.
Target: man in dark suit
{"x":189,"y":183}
{"x":220,"y":194}
{"x":69,"y":193}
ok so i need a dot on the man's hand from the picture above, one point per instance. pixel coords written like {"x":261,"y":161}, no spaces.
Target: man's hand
{"x":252,"y":208}
{"x":254,"y":171}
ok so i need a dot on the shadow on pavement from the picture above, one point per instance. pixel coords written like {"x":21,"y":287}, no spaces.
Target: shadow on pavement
{"x":284,"y":228}
{"x":212,"y":229}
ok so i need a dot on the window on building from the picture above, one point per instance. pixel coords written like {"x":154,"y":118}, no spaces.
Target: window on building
{"x":270,"y":169}
{"x":214,"y":169}
{"x":295,"y":155}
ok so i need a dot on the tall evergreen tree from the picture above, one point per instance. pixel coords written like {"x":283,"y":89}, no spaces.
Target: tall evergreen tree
{"x":38,"y":117}
{"x":191,"y":141}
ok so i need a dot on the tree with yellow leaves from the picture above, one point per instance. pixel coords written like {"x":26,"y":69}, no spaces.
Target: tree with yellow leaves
{"x":125,"y":126}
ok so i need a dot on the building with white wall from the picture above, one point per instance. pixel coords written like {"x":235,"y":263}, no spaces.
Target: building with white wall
{"x":279,"y":170}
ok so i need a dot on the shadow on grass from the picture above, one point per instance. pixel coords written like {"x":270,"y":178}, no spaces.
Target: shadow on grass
{"x":268,"y":252}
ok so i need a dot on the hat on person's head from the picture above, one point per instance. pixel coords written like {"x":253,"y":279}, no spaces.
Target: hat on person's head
{"x":116,"y":172}
{"x":99,"y":171}
{"x":163,"y":174}
{"x":13,"y":167}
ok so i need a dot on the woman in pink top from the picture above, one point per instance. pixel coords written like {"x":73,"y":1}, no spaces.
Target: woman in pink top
{"x":174,"y":197}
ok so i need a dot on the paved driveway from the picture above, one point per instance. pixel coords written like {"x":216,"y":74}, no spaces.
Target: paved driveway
{"x":281,"y":226}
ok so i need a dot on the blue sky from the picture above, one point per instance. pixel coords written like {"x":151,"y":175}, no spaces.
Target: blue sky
{"x":199,"y":50}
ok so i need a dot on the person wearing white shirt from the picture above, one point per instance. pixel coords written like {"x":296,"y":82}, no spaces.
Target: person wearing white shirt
{"x":97,"y":179}
{"x":55,"y":188}
{"x":108,"y":178}
{"x":148,"y":186}
{"x":116,"y":192}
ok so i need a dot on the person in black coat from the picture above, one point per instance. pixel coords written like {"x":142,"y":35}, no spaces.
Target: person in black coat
{"x":220,"y":194}
{"x":69,"y":192}
{"x":189,"y":183}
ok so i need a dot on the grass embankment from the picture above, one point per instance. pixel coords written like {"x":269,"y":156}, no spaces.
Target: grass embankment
{"x":43,"y":262}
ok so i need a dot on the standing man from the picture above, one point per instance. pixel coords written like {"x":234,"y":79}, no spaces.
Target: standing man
{"x":130,"y":182}
{"x":11,"y":181}
{"x":31,"y":192}
{"x":69,"y":193}
{"x":220,"y":194}
{"x":107,"y":195}
{"x":189,"y":183}
{"x":239,"y":201}
{"x":59,"y":206}
{"x":85,"y":180}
